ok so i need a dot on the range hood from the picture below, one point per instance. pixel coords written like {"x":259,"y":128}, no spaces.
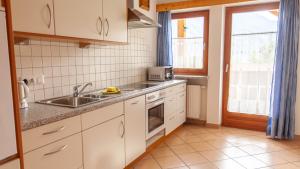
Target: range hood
{"x":137,"y":19}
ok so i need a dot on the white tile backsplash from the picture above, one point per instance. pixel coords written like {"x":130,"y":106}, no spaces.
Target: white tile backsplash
{"x":65,"y":65}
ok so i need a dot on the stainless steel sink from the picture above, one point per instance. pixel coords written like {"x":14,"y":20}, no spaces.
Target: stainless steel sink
{"x":97,"y":96}
{"x":70,"y":101}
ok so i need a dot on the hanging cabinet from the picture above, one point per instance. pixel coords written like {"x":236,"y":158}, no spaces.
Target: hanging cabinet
{"x":103,"y":21}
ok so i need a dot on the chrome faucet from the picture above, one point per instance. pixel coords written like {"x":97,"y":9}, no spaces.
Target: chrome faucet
{"x":76,"y":92}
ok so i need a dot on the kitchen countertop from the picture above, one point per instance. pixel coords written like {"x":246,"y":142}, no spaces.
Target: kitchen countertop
{"x":41,"y":114}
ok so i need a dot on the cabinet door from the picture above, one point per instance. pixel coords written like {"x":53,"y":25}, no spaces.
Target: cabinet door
{"x":115,"y":20}
{"x":11,"y":165}
{"x":103,"y":145}
{"x":135,"y":128}
{"x":33,"y":16}
{"x":78,"y":18}
{"x":8,"y":145}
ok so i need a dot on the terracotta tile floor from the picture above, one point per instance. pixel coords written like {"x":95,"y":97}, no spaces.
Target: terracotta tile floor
{"x":197,"y":147}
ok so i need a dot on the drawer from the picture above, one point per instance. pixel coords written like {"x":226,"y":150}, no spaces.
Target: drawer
{"x":63,"y":154}
{"x":169,"y":91}
{"x":181,"y":101}
{"x":180,"y":88}
{"x":171,"y":123}
{"x":170,"y":105}
{"x":41,"y":136}
{"x":99,"y":116}
{"x":181,"y":117}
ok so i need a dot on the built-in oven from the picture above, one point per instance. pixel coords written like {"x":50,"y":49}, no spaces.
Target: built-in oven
{"x":155,"y":115}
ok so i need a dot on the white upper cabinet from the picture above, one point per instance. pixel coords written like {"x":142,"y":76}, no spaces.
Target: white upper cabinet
{"x":115,"y":20}
{"x":33,"y":16}
{"x":135,"y":128}
{"x":78,"y":18}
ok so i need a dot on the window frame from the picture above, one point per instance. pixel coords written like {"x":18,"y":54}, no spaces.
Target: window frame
{"x":205,"y":14}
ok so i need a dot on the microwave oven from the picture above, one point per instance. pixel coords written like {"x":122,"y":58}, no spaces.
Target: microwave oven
{"x":160,"y":73}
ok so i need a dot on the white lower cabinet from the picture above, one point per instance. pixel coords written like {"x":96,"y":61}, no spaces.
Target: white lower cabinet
{"x":103,"y":145}
{"x":175,"y":107}
{"x":11,"y":165}
{"x":135,"y":128}
{"x":63,"y":154}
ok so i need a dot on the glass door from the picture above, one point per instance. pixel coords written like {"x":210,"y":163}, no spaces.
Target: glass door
{"x":250,"y":41}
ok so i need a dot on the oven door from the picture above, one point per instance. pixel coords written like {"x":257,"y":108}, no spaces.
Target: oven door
{"x":155,"y":118}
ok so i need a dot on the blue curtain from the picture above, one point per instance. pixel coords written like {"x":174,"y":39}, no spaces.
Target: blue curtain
{"x":281,"y":124}
{"x":164,"y":40}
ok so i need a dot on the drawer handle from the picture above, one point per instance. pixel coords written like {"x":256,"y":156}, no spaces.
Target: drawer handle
{"x":135,"y":103}
{"x":182,"y":95}
{"x":56,"y":151}
{"x":172,"y":118}
{"x":54,"y":131}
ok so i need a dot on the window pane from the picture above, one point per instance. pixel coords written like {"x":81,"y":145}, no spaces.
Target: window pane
{"x":253,"y":44}
{"x":188,"y":38}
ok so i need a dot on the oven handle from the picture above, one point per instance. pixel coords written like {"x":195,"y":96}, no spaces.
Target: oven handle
{"x":156,"y":103}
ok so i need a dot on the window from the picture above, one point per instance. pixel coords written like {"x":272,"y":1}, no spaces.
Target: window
{"x":190,"y":42}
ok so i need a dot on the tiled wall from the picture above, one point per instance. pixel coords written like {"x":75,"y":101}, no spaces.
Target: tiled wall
{"x":66,"y":65}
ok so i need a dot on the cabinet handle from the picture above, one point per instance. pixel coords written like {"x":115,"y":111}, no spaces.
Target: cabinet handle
{"x":106,"y":20}
{"x":151,"y":97}
{"x":182,"y":95}
{"x":101,"y":26}
{"x":54,"y":131}
{"x":50,"y":13}
{"x":123,"y":129}
{"x":56,"y":151}
{"x":136,"y":102}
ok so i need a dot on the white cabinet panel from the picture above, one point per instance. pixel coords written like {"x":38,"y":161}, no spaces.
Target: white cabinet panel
{"x":103,"y":145}
{"x":115,"y":20}
{"x":78,"y":18}
{"x":63,"y":154}
{"x":33,"y":16}
{"x":11,"y":165}
{"x":98,"y":116}
{"x":7,"y":123}
{"x":46,"y":134}
{"x":135,"y":128}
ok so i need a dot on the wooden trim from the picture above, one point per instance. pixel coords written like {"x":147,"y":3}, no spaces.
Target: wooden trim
{"x":8,"y":159}
{"x":211,"y":125}
{"x":10,"y":37}
{"x":151,"y":147}
{"x":144,"y":4}
{"x":235,"y":119}
{"x":3,"y":3}
{"x":36,"y":36}
{"x":195,"y":121}
{"x":193,"y":4}
{"x":204,"y":70}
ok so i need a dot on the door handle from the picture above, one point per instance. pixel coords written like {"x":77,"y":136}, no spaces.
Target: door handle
{"x":226,"y":68}
{"x":106,"y":20}
{"x":101,"y":25}
{"x":50,"y":13}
